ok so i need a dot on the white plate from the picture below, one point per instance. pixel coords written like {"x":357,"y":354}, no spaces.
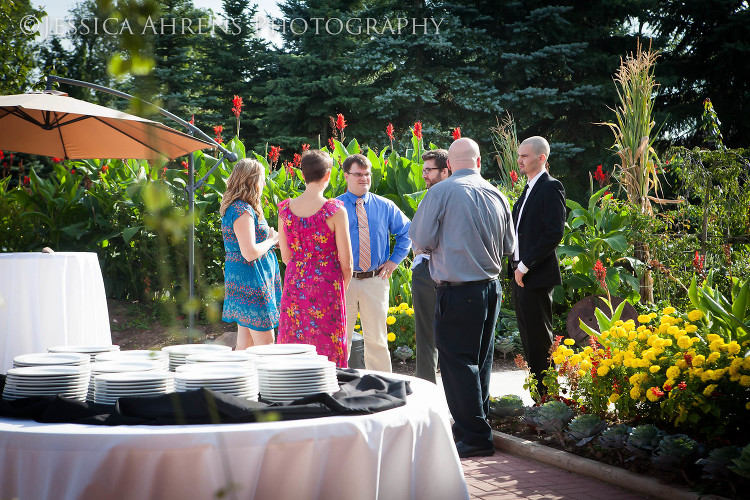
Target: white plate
{"x":49,"y":370}
{"x":220,"y":356}
{"x":88,"y":349}
{"x":182,"y":350}
{"x":280,"y":349}
{"x":154,"y":376}
{"x":133,"y":365}
{"x":51,"y":358}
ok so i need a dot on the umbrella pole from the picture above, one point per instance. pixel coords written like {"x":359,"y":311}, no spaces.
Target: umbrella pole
{"x":191,"y":246}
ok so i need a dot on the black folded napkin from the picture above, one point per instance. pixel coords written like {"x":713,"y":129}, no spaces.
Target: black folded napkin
{"x":358,"y":395}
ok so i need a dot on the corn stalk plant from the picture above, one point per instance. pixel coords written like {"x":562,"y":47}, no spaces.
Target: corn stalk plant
{"x":634,"y":138}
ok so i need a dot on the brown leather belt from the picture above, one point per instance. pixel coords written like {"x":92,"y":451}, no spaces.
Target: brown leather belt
{"x":360,"y":275}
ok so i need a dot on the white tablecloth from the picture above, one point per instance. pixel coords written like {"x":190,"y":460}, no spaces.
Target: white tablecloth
{"x":48,"y":300}
{"x":404,"y":453}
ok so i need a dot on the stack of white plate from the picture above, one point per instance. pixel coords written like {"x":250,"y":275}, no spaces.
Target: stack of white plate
{"x":92,"y":351}
{"x":281,"y":349}
{"x":111,"y":386}
{"x":138,"y":355}
{"x":101,"y":367}
{"x":51,"y":358}
{"x":66,"y":380}
{"x":237,"y":379}
{"x":221,"y":357}
{"x":178,"y":353}
{"x":286,"y":381}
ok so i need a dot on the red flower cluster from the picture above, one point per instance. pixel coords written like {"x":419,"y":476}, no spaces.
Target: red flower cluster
{"x":340,"y":122}
{"x":273,"y":155}
{"x":305,"y":147}
{"x":184,"y":164}
{"x":26,"y":180}
{"x":657,"y":392}
{"x":601,"y":177}
{"x":456,"y":133}
{"x":289,"y":168}
{"x":601,"y":273}
{"x":417,"y":130}
{"x":296,"y":159}
{"x":688,"y":359}
{"x":192,"y":120}
{"x":699,"y":261}
{"x":513,"y":177}
{"x":2,"y":155}
{"x":54,"y":158}
{"x":218,"y":129}
{"x":389,"y":131}
{"x":682,"y":386}
{"x":105,"y":168}
{"x":330,"y":143}
{"x":237,"y":106}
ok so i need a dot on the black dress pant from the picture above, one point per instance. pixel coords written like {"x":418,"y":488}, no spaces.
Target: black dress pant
{"x":465,"y":318}
{"x":534,"y":315}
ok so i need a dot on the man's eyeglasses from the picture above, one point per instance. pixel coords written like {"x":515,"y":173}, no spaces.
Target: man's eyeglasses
{"x":366,"y":175}
{"x":427,"y":170}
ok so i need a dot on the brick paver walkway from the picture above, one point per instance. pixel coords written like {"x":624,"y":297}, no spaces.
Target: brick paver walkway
{"x":505,"y":477}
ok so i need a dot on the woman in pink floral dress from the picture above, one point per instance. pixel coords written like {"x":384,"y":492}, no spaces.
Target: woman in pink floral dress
{"x":315,"y":246}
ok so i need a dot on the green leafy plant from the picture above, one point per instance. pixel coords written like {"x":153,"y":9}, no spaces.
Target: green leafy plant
{"x":675,"y":452}
{"x":644,"y":440}
{"x":585,"y":427}
{"x":510,"y":405}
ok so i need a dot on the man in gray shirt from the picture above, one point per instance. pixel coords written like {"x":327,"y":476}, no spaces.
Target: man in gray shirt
{"x":465,"y":224}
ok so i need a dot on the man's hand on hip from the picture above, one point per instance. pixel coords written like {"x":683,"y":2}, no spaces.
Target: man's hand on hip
{"x":386,"y":270}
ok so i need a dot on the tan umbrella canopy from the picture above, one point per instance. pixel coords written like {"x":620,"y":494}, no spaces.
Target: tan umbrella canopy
{"x":51,"y":123}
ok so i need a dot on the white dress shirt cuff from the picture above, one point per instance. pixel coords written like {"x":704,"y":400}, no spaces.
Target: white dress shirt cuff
{"x":523,"y":268}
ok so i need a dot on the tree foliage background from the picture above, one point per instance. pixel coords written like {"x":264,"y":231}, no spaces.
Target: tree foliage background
{"x":549,"y":64}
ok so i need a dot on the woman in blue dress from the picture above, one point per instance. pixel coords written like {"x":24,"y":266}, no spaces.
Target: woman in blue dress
{"x":252,"y":281}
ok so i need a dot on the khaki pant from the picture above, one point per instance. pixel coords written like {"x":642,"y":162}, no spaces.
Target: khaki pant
{"x":369,"y":298}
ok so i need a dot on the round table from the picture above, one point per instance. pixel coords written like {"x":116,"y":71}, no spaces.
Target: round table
{"x":48,"y":300}
{"x":403,"y":453}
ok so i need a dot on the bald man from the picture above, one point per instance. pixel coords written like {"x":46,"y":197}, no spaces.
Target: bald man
{"x":465,"y":224}
{"x":539,"y":218}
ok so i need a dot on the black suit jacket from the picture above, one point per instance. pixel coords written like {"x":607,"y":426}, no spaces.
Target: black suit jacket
{"x":540,"y":231}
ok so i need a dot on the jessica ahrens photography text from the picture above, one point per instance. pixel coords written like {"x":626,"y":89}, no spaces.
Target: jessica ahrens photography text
{"x":207,"y":25}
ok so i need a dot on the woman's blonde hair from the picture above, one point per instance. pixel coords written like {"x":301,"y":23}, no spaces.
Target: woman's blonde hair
{"x":243,"y":185}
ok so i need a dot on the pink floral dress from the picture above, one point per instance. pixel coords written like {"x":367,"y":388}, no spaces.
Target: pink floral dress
{"x":313,"y":306}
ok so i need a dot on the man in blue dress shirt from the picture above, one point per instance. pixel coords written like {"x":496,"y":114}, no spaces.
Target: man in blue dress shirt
{"x":372,"y":221}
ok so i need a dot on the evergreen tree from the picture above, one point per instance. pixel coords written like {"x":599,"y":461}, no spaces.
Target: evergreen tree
{"x":555,"y":73}
{"x":16,"y":46}
{"x":706,"y":47}
{"x":235,"y":62}
{"x":310,"y":80}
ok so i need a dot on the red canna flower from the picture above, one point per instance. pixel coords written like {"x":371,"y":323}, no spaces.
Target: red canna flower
{"x":26,"y":180}
{"x":656,"y":392}
{"x":218,"y":129}
{"x":273,"y":155}
{"x":699,"y":261}
{"x":289,"y":168}
{"x":389,"y":131}
{"x":599,"y":175}
{"x":192,"y":120}
{"x":340,"y":122}
{"x":164,"y":170}
{"x":72,"y":171}
{"x":601,"y":273}
{"x":237,"y":105}
{"x":331,"y":144}
{"x":456,"y":133}
{"x":513,"y":177}
{"x":417,"y":130}
{"x":2,"y":155}
{"x":305,"y":147}
{"x":184,"y":164}
{"x":105,"y":168}
{"x":54,"y":158}
{"x":296,"y":159}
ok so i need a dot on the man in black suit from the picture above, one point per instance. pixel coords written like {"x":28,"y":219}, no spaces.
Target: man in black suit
{"x":539,"y":218}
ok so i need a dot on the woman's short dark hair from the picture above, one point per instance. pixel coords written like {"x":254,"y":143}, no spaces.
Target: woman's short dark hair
{"x":359,"y":159}
{"x":314,"y":165}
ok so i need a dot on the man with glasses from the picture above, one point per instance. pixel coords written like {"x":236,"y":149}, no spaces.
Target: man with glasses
{"x":434,"y":170}
{"x":372,"y":221}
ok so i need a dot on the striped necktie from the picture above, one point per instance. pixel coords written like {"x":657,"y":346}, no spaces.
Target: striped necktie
{"x":364,"y":236}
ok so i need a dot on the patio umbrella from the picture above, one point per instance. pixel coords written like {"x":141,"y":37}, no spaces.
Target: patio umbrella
{"x":52,"y":124}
